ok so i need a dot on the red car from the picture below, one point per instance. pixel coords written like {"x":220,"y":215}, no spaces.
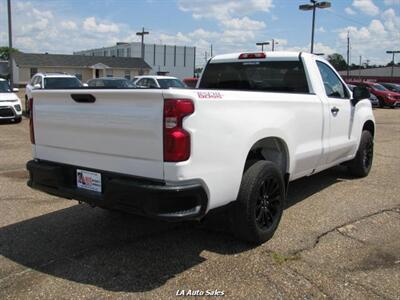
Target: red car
{"x":191,"y":82}
{"x":385,"y":96}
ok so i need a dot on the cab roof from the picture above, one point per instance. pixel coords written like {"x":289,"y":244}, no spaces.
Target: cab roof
{"x":269,"y":55}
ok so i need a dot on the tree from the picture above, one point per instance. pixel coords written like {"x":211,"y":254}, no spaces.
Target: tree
{"x":337,"y":61}
{"x":5,"y":52}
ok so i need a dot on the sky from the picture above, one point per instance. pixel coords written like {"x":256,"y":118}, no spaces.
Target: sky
{"x":64,"y":26}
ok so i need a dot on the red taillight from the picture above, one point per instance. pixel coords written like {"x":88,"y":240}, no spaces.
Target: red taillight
{"x":176,"y":139}
{"x":252,"y":55}
{"x":31,"y":131}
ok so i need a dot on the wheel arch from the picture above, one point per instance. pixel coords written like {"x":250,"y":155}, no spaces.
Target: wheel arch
{"x":369,"y":126}
{"x":272,"y":149}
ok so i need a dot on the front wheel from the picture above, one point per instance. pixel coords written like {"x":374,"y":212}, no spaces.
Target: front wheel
{"x":27,"y":107}
{"x":360,"y":165}
{"x":381,"y":102}
{"x":260,"y":203}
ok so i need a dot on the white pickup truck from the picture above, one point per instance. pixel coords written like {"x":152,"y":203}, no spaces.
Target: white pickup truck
{"x":255,"y":122}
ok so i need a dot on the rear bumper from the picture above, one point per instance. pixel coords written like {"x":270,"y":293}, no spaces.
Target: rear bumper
{"x":157,"y":199}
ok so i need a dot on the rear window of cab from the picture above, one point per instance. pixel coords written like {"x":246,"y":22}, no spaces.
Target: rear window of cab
{"x":267,"y":76}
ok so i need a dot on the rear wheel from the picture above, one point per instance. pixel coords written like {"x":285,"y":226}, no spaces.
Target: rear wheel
{"x":259,"y":207}
{"x":361,"y":164}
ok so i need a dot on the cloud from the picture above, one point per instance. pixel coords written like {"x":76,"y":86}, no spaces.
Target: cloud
{"x":371,"y":41}
{"x":392,"y":2}
{"x":69,"y":25}
{"x":349,"y":11}
{"x":90,"y":24}
{"x":220,"y":9}
{"x":243,"y":24}
{"x":366,"y":6}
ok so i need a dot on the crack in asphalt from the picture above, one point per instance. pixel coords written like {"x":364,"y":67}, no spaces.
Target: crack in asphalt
{"x":322,"y":235}
{"x":312,"y":283}
{"x":350,"y":237}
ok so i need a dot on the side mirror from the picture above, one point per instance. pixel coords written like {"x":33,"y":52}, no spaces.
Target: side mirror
{"x":85,"y":85}
{"x":37,"y":86}
{"x":359,"y":93}
{"x":15,"y":90}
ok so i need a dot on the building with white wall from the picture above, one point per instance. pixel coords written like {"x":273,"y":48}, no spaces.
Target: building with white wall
{"x":178,"y":61}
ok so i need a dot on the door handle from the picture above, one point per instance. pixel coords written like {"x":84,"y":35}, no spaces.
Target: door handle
{"x":334,"y":110}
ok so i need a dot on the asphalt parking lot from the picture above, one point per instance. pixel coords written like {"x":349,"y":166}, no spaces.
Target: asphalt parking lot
{"x":339,"y":238}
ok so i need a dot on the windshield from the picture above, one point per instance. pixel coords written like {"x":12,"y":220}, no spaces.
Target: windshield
{"x":379,"y":87}
{"x":62,"y":83}
{"x":116,"y":83}
{"x":4,"y":87}
{"x":272,"y":76}
{"x":168,"y":83}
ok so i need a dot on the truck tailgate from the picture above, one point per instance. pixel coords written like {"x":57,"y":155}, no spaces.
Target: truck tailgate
{"x":121,"y":131}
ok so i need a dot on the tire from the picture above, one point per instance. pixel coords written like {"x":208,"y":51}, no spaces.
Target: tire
{"x":360,"y":165}
{"x":260,"y":203}
{"x":381,"y":102}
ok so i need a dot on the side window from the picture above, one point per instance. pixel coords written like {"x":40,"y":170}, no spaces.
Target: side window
{"x":152,"y":83}
{"x":144,"y":82}
{"x":38,"y":80}
{"x":33,"y":80}
{"x":334,"y":88}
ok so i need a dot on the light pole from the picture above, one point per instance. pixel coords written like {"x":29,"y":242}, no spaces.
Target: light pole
{"x":262,"y":45}
{"x":393,"y":53}
{"x":315,"y":4}
{"x":142,"y":34}
{"x":10,"y":45}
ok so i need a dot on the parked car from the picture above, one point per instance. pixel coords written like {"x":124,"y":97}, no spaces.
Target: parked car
{"x":10,"y":104}
{"x":391,"y":86}
{"x":191,"y":82}
{"x":111,"y":83}
{"x":374,"y":100}
{"x":256,"y":123}
{"x":385,"y":96}
{"x":159,"y":82}
{"x":50,"y":81}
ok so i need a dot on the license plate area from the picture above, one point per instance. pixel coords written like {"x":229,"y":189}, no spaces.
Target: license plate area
{"x":88,"y":180}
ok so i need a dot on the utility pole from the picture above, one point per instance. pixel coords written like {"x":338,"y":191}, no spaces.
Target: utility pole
{"x":359,"y":68}
{"x":10,"y":45}
{"x":313,"y":6}
{"x":262,"y":44}
{"x":273,"y":44}
{"x":205,"y":56}
{"x":211,"y":50}
{"x":393,"y":53}
{"x":348,"y":54}
{"x":142,"y":34}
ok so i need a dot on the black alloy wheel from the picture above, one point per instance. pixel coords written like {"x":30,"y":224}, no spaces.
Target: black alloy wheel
{"x":268,"y":203}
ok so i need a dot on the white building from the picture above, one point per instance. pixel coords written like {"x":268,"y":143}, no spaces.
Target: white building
{"x":178,"y":61}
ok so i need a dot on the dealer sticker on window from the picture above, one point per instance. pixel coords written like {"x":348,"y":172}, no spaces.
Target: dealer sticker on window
{"x":88,"y":180}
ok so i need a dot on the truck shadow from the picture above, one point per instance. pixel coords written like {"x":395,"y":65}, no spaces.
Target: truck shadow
{"x":118,"y":252}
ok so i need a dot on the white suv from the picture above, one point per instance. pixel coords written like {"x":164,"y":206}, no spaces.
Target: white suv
{"x":50,"y":81}
{"x":10,"y":104}
{"x":158,"y":82}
